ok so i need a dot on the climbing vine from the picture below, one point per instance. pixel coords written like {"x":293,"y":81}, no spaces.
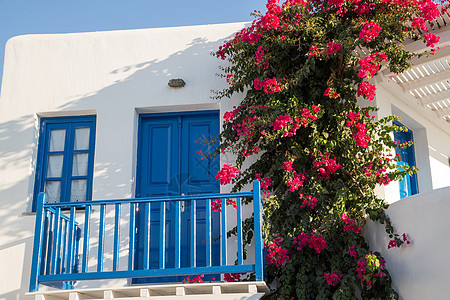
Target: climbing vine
{"x":305,"y":70}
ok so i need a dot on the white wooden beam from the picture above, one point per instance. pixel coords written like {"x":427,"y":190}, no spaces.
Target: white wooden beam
{"x":444,"y":112}
{"x":425,"y":100}
{"x":425,"y":81}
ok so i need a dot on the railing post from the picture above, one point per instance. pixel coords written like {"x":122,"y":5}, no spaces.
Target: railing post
{"x":259,"y":267}
{"x":37,"y":245}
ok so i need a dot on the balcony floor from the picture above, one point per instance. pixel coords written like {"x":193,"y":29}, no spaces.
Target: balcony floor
{"x":219,"y":290}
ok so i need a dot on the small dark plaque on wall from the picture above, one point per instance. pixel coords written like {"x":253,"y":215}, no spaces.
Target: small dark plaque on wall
{"x":176,"y":83}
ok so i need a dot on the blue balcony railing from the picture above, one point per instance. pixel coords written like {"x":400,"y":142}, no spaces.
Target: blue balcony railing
{"x":62,"y":255}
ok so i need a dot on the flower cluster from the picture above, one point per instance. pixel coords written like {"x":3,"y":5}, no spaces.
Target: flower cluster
{"x":431,"y":39}
{"x":370,"y":65}
{"x":369,"y":267}
{"x":233,"y":277}
{"x":301,"y":240}
{"x":331,"y":93}
{"x":227,"y":173}
{"x":325,"y":165}
{"x":333,"y":47}
{"x":396,"y":242}
{"x":216,"y":205}
{"x":359,"y":130}
{"x":296,"y":181}
{"x":261,"y":61}
{"x":350,"y":224}
{"x":354,"y":251}
{"x":313,"y":51}
{"x":317,"y":243}
{"x":193,"y":279}
{"x":333,"y":278}
{"x":309,"y":201}
{"x":370,"y":31}
{"x":366,"y":90}
{"x":276,"y":255}
{"x":269,"y":85}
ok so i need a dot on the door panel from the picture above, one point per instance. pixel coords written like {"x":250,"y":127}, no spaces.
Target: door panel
{"x":170,"y":164}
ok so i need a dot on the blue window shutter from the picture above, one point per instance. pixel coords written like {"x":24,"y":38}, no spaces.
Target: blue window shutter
{"x":408,"y":185}
{"x":65,"y":158}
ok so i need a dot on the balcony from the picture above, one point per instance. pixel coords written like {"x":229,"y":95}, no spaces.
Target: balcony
{"x":70,"y":239}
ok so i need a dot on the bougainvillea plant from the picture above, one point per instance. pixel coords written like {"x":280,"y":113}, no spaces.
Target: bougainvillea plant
{"x":303,"y":69}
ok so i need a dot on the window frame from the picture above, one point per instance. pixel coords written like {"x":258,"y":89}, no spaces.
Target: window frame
{"x":69,"y":124}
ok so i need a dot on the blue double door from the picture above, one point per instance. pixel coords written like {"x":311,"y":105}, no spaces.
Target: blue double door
{"x":170,"y":164}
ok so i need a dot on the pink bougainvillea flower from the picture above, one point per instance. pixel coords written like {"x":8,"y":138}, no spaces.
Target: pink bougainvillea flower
{"x":331,"y":93}
{"x":227,"y":173}
{"x":366,"y":90}
{"x":333,"y":47}
{"x":333,"y":278}
{"x":317,"y":243}
{"x":276,"y":255}
{"x":431,"y":39}
{"x":370,"y":31}
{"x":309,"y":201}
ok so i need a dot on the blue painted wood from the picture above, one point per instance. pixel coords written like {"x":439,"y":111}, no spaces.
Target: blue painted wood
{"x":116,"y":237}
{"x":151,"y":272}
{"x":81,"y":204}
{"x":146,"y":230}
{"x":131,"y":246}
{"x":208,"y":237}
{"x":71,"y":243}
{"x":177,"y":230}
{"x":257,"y":206}
{"x":56,"y":241}
{"x":162,"y":236}
{"x":69,"y":124}
{"x":193,"y":210}
{"x":169,"y":165}
{"x":49,"y":243}
{"x":101,"y":238}
{"x":239,"y":230}
{"x":193,"y":234}
{"x":86,"y":237}
{"x":65,"y":242}
{"x":408,"y":185}
{"x":45,"y":241}
{"x":223,"y":238}
{"x":37,"y":243}
{"x":59,"y":245}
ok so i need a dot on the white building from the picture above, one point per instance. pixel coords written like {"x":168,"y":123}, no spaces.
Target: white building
{"x":100,"y":98}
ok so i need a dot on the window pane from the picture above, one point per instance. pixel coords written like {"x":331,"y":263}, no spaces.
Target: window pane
{"x":81,"y":141}
{"x":80,"y":164}
{"x":78,"y":190}
{"x":57,"y":139}
{"x":55,"y":165}
{"x":53,"y":191}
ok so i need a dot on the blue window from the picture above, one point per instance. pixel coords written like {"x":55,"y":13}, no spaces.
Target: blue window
{"x":408,"y":186}
{"x":65,"y":159}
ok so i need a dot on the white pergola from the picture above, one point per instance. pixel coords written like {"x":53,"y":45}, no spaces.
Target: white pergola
{"x":426,"y":85}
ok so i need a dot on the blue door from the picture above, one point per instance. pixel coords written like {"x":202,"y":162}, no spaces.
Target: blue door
{"x":169,"y":164}
{"x":408,"y":185}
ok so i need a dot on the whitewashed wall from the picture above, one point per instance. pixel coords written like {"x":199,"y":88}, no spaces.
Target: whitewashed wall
{"x":114,"y":75}
{"x":420,"y":270}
